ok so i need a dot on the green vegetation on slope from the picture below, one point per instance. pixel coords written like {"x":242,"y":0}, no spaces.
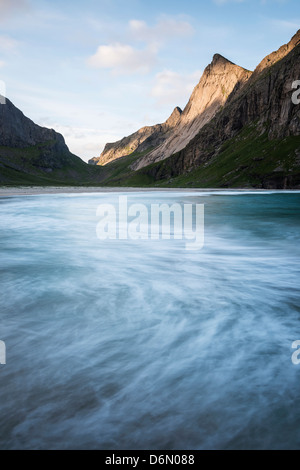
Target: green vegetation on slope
{"x":248,"y":160}
{"x":35,"y":165}
{"x":118,"y":171}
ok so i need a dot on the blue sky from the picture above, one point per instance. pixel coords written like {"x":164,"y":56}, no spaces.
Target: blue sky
{"x":99,"y":70}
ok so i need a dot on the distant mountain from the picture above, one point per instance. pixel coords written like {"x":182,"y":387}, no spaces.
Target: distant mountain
{"x":144,"y":139}
{"x":238,"y":129}
{"x":34,"y":154}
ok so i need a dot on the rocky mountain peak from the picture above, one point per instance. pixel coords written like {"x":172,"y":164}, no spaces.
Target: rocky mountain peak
{"x":139,"y":141}
{"x":222,"y":85}
{"x":34,"y":152}
{"x":219,"y":59}
{"x":216,"y":84}
{"x":16,"y":130}
{"x":174,"y":118}
{"x":220,"y":79}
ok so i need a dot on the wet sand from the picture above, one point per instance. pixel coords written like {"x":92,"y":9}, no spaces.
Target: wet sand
{"x":38,"y":190}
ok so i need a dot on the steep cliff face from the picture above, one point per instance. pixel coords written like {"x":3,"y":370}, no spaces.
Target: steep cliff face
{"x":220,"y":80}
{"x":28,"y":149}
{"x":16,"y":130}
{"x":254,"y":139}
{"x":19,"y":132}
{"x":144,"y":139}
{"x":265,"y":101}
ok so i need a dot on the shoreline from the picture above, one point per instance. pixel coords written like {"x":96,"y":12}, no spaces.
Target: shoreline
{"x":49,"y":190}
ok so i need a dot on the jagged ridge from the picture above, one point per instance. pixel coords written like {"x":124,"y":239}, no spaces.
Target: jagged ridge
{"x":145,"y":138}
{"x":261,"y":112}
{"x":219,"y":81}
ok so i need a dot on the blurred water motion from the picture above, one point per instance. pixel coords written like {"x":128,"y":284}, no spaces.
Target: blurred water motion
{"x":143,"y":344}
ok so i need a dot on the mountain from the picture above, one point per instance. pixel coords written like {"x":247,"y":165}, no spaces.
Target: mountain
{"x":255,"y":138}
{"x":220,"y":80}
{"x":238,"y":129}
{"x":34,"y":154}
{"x":146,"y":138}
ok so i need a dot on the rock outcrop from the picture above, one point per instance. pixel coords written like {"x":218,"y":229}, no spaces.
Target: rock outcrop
{"x":145,"y":138}
{"x":260,"y":115}
{"x":266,"y":101}
{"x":227,"y":100}
{"x":18,"y":131}
{"x":29,"y":149}
{"x":220,"y":80}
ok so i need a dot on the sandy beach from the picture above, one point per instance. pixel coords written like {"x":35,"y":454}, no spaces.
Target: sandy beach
{"x":38,"y":190}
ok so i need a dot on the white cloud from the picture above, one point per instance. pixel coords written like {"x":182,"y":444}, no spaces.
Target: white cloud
{"x":166,"y":28}
{"x":174,"y":88}
{"x":122,"y":58}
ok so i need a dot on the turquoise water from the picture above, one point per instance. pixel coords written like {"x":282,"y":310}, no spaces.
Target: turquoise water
{"x":145,"y":345}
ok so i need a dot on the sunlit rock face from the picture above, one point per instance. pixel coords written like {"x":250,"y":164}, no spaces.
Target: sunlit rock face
{"x":145,"y":138}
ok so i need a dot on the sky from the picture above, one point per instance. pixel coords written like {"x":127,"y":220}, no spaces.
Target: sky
{"x":97,"y":71}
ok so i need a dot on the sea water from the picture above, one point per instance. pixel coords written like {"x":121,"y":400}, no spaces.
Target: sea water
{"x":142,"y":344}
